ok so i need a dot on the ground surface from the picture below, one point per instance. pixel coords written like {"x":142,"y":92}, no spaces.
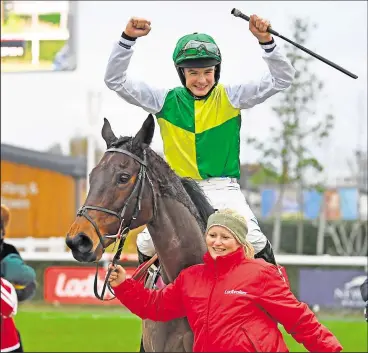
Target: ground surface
{"x":46,"y":328}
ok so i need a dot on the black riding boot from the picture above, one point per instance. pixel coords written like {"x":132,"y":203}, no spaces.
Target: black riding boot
{"x":267,"y":254}
{"x":143,"y":258}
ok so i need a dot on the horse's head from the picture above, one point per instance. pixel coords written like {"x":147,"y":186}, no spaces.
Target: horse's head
{"x":120,"y":194}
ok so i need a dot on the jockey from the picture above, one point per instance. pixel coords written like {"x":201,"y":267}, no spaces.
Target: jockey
{"x":200,"y":122}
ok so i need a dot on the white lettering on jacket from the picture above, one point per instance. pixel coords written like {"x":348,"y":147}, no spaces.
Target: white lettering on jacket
{"x":233,"y":291}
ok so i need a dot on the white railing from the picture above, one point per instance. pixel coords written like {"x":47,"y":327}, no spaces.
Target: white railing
{"x":61,"y":34}
{"x":39,"y":245}
{"x":54,"y":249}
{"x":347,"y":261}
{"x":67,"y":256}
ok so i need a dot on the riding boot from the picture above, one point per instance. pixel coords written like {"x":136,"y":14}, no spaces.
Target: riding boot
{"x":267,"y":254}
{"x":143,"y":258}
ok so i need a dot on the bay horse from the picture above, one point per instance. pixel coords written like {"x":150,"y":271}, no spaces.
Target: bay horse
{"x":132,"y":186}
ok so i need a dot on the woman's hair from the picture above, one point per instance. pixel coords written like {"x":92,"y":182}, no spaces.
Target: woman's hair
{"x":248,"y":247}
{"x":5,"y":215}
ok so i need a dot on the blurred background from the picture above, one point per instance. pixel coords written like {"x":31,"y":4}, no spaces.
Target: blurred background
{"x":309,"y":192}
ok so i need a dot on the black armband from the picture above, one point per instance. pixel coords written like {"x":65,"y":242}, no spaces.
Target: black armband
{"x":125,"y":36}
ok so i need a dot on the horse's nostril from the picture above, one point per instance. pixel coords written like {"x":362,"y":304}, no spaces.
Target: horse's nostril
{"x":69,"y":242}
{"x":85,"y":243}
{"x":81,"y":242}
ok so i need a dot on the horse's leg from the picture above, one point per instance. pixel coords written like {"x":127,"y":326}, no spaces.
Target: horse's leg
{"x":141,"y":348}
{"x":154,"y":336}
{"x":188,"y":340}
{"x":172,"y":336}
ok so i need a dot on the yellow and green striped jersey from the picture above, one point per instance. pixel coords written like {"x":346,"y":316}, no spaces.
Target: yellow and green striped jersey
{"x":201,"y":137}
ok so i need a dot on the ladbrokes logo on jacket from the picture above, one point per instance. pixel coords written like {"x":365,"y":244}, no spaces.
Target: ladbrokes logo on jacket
{"x":233,"y":291}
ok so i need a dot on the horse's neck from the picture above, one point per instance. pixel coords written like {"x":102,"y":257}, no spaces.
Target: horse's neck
{"x":178,"y":239}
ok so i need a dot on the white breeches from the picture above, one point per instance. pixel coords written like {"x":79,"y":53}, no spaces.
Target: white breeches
{"x":222,"y":193}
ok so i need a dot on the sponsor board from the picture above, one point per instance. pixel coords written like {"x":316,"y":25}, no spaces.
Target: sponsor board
{"x":74,"y":285}
{"x":331,"y":288}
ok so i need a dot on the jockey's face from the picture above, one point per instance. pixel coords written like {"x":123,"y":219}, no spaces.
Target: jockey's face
{"x":220,"y":242}
{"x":199,"y":81}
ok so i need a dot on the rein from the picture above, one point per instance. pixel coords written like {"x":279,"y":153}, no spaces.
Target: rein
{"x":123,"y":230}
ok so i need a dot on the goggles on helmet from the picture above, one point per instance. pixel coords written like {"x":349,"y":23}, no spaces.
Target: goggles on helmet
{"x":195,"y":50}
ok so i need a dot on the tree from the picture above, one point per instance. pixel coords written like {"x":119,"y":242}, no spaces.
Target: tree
{"x":78,"y":148}
{"x":55,"y":149}
{"x":286,"y":156}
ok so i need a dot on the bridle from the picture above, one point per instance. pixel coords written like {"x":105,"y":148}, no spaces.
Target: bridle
{"x":123,"y":230}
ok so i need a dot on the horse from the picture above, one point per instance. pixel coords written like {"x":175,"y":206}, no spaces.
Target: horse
{"x":133,"y":186}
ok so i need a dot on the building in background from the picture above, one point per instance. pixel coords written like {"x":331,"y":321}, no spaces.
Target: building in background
{"x":42,"y":190}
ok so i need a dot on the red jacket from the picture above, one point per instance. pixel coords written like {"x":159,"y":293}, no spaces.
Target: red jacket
{"x":233,"y":304}
{"x":8,"y":307}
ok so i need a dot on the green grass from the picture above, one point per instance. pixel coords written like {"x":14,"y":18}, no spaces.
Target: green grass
{"x":351,"y":334}
{"x":19,"y":23}
{"x":71,"y":330}
{"x":113,"y":329}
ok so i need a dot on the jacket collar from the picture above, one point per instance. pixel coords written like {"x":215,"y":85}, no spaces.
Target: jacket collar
{"x":223,"y":264}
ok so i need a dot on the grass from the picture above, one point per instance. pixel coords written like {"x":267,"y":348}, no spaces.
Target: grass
{"x":113,"y":329}
{"x":20,"y":23}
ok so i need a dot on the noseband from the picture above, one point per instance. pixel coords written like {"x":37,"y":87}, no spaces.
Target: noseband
{"x":123,"y":230}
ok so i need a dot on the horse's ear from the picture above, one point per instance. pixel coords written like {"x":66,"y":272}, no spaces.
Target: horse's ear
{"x":107,"y":133}
{"x":145,"y":134}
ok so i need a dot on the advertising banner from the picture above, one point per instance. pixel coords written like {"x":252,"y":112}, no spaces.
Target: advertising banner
{"x":331,"y":288}
{"x":74,"y":285}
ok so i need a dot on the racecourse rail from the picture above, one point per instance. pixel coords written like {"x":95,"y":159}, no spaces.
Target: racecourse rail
{"x":283,"y":259}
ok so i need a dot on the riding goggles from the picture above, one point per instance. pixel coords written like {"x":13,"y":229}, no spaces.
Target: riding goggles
{"x":195,"y":50}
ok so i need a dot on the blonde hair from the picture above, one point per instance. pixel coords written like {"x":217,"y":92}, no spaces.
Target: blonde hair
{"x":5,"y":215}
{"x":248,"y":247}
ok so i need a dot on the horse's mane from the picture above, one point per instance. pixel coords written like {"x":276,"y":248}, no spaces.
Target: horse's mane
{"x":199,"y":198}
{"x":184,"y":190}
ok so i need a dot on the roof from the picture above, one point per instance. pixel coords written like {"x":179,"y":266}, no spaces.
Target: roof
{"x":74,"y":166}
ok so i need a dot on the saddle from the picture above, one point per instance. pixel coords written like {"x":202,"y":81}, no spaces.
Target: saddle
{"x":154,"y":278}
{"x":150,"y":274}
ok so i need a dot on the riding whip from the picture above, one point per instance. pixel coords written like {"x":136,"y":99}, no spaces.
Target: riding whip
{"x":238,"y":13}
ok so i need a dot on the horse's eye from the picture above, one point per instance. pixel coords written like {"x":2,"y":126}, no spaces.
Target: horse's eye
{"x":124,"y":178}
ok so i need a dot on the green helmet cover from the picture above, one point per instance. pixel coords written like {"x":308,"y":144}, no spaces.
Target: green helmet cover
{"x":199,"y":58}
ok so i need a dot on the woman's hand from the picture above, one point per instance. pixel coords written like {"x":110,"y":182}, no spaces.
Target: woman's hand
{"x":117,"y":275}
